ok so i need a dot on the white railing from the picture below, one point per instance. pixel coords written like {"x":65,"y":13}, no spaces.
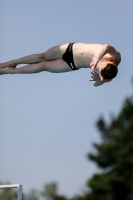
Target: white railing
{"x":19,"y":191}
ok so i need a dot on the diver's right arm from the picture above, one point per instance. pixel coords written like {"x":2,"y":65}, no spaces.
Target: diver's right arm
{"x":97,"y":79}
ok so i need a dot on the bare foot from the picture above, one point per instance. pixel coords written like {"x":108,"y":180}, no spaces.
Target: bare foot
{"x":2,"y":71}
{"x":2,"y":65}
{"x":8,"y":70}
{"x":7,"y":64}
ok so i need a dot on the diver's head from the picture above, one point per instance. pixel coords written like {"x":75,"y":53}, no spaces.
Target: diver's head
{"x":109,"y":71}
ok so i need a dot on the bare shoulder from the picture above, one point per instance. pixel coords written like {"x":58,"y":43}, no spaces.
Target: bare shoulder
{"x":113,"y":54}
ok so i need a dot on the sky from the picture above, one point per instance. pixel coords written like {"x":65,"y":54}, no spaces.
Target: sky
{"x":47,"y":121}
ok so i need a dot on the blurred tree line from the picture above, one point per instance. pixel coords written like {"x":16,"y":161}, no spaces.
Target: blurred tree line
{"x":113,"y":155}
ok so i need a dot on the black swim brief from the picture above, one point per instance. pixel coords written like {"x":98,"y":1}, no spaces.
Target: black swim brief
{"x":68,"y":57}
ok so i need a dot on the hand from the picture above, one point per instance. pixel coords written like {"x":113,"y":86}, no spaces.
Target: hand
{"x":95,"y":76}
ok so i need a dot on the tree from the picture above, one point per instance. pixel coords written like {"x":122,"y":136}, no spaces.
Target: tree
{"x":8,"y":193}
{"x":32,"y":195}
{"x":114,"y":156}
{"x":49,"y":192}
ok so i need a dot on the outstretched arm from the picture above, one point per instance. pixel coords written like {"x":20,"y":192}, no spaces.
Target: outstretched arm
{"x":110,"y":50}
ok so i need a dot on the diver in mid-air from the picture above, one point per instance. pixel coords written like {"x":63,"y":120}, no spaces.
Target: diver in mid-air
{"x":102,"y":59}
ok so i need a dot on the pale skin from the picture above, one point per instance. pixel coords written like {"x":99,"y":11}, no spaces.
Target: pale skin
{"x":94,"y":56}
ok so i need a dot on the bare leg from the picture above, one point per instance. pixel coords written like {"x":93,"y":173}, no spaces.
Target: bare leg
{"x":51,"y":54}
{"x":55,"y":66}
{"x":24,"y":60}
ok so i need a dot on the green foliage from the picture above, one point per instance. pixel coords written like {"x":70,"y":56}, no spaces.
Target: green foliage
{"x":32,"y":195}
{"x":49,"y":192}
{"x":114,"y":156}
{"x":8,"y":193}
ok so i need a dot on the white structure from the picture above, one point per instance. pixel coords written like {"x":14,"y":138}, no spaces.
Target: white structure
{"x":17,"y":187}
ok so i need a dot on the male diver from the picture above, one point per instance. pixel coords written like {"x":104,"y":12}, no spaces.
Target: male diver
{"x":102,"y":59}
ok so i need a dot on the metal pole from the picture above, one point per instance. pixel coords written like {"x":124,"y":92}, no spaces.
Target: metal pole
{"x":20,"y":192}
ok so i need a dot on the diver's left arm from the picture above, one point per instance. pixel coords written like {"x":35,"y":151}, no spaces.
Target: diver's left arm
{"x":110,"y":50}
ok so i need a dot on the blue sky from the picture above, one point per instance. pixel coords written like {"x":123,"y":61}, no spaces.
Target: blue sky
{"x":47,"y":121}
